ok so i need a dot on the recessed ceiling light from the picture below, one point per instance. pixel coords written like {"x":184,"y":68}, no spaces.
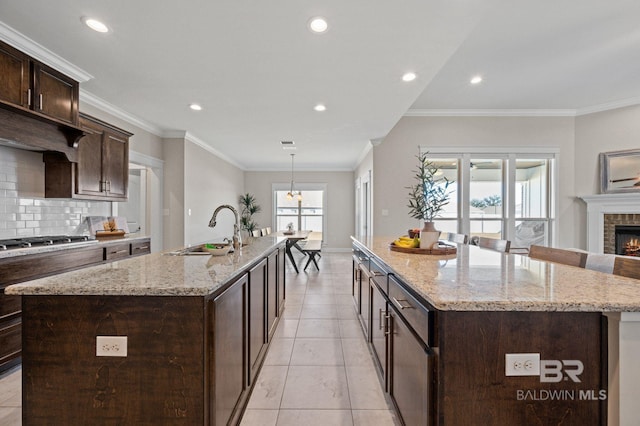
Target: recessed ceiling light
{"x":318,"y":25}
{"x":410,"y":76}
{"x":320,"y":107}
{"x":195,"y":107}
{"x":476,"y":79}
{"x":96,"y":25}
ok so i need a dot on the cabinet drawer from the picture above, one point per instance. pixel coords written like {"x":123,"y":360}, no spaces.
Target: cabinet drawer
{"x":9,"y":305}
{"x":10,"y":340}
{"x":416,"y":315}
{"x":379,"y":275}
{"x":117,"y":251}
{"x":360,"y":257}
{"x":140,"y":247}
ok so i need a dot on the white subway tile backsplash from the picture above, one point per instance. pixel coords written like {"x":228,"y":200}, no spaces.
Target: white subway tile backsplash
{"x":23,"y":209}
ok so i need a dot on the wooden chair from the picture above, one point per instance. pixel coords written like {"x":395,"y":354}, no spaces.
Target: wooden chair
{"x":457,"y":238}
{"x":627,"y":267}
{"x":494,"y":244}
{"x":566,"y":257}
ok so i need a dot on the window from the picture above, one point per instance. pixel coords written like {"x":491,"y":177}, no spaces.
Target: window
{"x":304,"y":214}
{"x":506,"y":196}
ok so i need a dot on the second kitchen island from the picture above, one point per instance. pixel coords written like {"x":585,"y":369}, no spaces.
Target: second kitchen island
{"x":154,"y":340}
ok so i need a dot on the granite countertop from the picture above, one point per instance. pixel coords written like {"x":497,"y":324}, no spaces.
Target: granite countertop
{"x":67,"y":246}
{"x":478,"y":279}
{"x":157,"y":274}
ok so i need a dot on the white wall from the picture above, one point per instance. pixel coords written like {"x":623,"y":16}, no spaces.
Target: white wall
{"x":395,"y":158}
{"x":208,"y":183}
{"x":340,"y":204}
{"x":173,"y":193}
{"x":613,"y":130}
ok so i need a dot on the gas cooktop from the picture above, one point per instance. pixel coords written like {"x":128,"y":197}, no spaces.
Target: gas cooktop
{"x":17,"y":243}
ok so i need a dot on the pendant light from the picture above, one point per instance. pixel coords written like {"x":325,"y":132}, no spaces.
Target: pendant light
{"x":291,"y":192}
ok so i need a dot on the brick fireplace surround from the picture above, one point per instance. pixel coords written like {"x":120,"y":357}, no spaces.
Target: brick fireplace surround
{"x":604,"y":211}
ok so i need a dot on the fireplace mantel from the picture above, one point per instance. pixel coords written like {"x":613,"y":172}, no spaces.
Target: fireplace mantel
{"x":601,"y":204}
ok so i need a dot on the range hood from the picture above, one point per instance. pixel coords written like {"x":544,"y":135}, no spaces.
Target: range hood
{"x":24,"y":129}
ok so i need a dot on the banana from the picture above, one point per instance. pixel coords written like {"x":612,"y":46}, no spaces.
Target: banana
{"x":407,"y":242}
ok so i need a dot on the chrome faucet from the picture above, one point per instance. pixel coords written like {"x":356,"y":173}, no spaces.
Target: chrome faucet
{"x":237,"y":241}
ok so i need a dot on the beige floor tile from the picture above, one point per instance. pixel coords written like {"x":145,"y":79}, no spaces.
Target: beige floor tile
{"x":319,"y":299}
{"x":319,"y":289}
{"x":259,"y":418}
{"x":279,"y":352}
{"x":295,"y":299}
{"x":10,"y":416}
{"x":295,"y":288}
{"x":350,"y":328}
{"x":267,"y":392}
{"x":317,"y":352}
{"x":286,"y":328}
{"x":365,"y":391}
{"x":292,"y":311}
{"x":318,"y":311}
{"x":11,"y":389}
{"x":316,"y":388}
{"x":374,"y":418}
{"x":315,"y":418}
{"x":329,"y":328}
{"x":346,"y":311}
{"x":356,"y":352}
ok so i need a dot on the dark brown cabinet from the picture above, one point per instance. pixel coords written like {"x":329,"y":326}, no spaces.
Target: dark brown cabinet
{"x":31,"y":85}
{"x":272,"y":293}
{"x":229,"y":366}
{"x":379,"y":329}
{"x":102,"y":170}
{"x":281,"y":280}
{"x":256,"y":311}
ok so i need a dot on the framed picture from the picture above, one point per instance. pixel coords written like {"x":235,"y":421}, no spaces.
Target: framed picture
{"x":620,"y":171}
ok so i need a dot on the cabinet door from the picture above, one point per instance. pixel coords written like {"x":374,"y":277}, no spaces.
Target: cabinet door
{"x":257,"y":329}
{"x":272,"y":292}
{"x":379,"y":328}
{"x":14,"y":76}
{"x":55,"y":94}
{"x":228,"y":347}
{"x":410,"y":375}
{"x":116,"y":164}
{"x":356,"y":289}
{"x":89,"y":166}
{"x":365,"y":311}
{"x":281,"y":280}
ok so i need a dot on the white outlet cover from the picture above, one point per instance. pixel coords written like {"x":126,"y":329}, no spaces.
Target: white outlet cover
{"x":522,"y":364}
{"x":111,"y":346}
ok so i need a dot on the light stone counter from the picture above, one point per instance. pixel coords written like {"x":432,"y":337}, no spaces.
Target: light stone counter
{"x":484,"y":280}
{"x":153,"y":274}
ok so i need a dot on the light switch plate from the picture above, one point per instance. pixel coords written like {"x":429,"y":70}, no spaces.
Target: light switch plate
{"x":111,"y":346}
{"x":522,"y":364}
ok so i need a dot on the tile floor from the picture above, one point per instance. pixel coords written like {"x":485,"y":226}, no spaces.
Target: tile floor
{"x":318,"y":370}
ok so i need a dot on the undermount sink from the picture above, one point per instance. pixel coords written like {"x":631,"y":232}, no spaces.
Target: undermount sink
{"x":199,"y":250}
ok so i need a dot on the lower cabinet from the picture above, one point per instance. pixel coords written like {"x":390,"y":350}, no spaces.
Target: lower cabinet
{"x":281,"y":280}
{"x":411,"y":369}
{"x":365,"y":303}
{"x":228,"y":367}
{"x":379,"y":329}
{"x":272,"y":293}
{"x":256,"y":322}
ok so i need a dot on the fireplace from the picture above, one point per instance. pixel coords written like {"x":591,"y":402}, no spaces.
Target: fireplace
{"x":604,"y":213}
{"x":627,"y":240}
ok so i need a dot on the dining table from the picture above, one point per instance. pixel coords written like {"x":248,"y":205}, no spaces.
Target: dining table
{"x":292,"y":241}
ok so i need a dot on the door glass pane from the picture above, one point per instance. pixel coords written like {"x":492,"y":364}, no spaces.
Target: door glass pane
{"x":304,"y":214}
{"x":485,"y":195}
{"x":448,"y":168}
{"x":531,"y":188}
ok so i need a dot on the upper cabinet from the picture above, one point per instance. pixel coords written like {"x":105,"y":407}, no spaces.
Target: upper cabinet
{"x":33,"y":86}
{"x":102,"y":170}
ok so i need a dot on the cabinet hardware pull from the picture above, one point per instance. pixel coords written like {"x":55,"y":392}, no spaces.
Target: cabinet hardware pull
{"x":400,"y":305}
{"x":40,"y":106}
{"x":380,"y":326}
{"x":29,"y":97}
{"x":142,"y":248}
{"x":119,"y":251}
{"x":377,"y":274}
{"x":109,"y":185}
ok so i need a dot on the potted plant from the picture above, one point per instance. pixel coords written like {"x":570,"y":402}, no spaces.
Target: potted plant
{"x":427,"y":198}
{"x":249,"y":207}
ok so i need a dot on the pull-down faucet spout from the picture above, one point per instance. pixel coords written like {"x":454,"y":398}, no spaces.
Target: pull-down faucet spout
{"x":237,"y":241}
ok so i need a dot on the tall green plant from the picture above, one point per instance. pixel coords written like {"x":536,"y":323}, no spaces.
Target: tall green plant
{"x":429,"y":195}
{"x":249,"y":207}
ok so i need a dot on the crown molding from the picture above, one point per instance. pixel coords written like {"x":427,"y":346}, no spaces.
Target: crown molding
{"x":608,"y":106}
{"x":202,"y":144}
{"x":101,"y":104}
{"x":42,"y":54}
{"x":490,"y":113}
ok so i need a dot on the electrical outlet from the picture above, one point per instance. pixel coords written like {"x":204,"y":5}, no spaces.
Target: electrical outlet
{"x":111,"y":346}
{"x":522,"y":364}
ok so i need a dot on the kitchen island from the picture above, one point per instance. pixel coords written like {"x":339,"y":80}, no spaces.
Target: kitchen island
{"x":440,"y":329}
{"x":156,"y":339}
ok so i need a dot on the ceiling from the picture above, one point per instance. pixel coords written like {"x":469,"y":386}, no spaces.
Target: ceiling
{"x":258,"y":71}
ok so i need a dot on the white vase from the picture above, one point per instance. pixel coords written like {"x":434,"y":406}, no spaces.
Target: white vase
{"x":429,"y":236}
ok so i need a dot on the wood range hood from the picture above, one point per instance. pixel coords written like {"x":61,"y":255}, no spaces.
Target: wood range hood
{"x":25,"y":129}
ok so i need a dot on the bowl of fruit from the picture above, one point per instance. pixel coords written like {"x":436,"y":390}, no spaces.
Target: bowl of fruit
{"x":415,"y":232}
